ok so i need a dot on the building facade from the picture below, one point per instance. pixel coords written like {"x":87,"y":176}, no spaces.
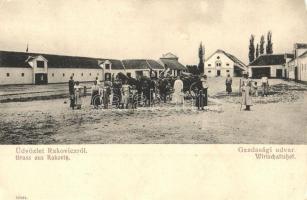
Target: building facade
{"x":34,"y":68}
{"x":37,"y":68}
{"x":221,"y":63}
{"x":296,"y":68}
{"x":271,"y":65}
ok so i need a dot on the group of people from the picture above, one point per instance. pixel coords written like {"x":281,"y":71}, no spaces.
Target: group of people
{"x":74,"y":93}
{"x":117,"y":93}
{"x":200,"y":90}
{"x":143,"y":92}
{"x":124,"y":94}
{"x":248,"y":88}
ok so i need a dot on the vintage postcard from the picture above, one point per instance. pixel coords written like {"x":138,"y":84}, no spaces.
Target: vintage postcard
{"x":153,"y":99}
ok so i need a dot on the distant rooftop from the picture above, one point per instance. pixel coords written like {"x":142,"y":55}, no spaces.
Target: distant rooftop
{"x":269,"y":59}
{"x":300,"y":45}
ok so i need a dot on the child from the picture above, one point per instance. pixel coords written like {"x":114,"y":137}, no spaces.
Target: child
{"x":255,"y":89}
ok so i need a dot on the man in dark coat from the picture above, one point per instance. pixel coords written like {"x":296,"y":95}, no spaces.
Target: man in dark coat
{"x":146,"y":91}
{"x":163,"y":89}
{"x":202,"y":96}
{"x":71,"y":84}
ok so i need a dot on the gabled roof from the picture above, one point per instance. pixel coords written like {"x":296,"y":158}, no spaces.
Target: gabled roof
{"x":304,"y":55}
{"x":135,"y":64}
{"x":270,"y":59}
{"x":20,"y":59}
{"x":236,"y":61}
{"x":172,"y":64}
{"x":300,"y":45}
{"x":289,"y":55}
{"x":169,"y":55}
{"x":141,"y":64}
{"x":154,"y":64}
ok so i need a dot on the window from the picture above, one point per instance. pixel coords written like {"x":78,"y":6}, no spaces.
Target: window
{"x":107,"y":66}
{"x":90,"y":74}
{"x":22,"y":74}
{"x":97,"y":74}
{"x":63,"y":74}
{"x":129,"y":75}
{"x":73,"y":74}
{"x":218,"y":57}
{"x":81,"y":74}
{"x":52,"y":74}
{"x":209,"y":71}
{"x":40,"y":64}
{"x":227,"y":70}
{"x":227,"y":64}
{"x":7,"y":74}
{"x":209,"y":64}
{"x":218,"y":64}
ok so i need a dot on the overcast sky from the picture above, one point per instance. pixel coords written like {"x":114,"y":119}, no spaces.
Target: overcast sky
{"x":148,"y":28}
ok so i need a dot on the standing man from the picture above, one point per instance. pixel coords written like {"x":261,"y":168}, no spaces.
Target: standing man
{"x":228,"y":83}
{"x":178,"y":91}
{"x":202,"y":97}
{"x":246,"y":91}
{"x":265,"y":85}
{"x":71,"y":85}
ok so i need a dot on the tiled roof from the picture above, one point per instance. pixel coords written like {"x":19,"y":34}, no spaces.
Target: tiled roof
{"x":135,"y":64}
{"x":172,"y":64}
{"x":271,"y":59}
{"x":154,"y":64}
{"x":301,"y":46}
{"x":304,"y":55}
{"x":18,"y":59}
{"x":141,"y":64}
{"x":237,"y":62}
{"x":169,"y":55}
{"x":56,"y":61}
{"x":13,"y":59}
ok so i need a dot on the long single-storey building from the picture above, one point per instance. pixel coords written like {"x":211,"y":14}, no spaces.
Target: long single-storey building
{"x":296,"y":68}
{"x":270,"y":65}
{"x":221,"y":63}
{"x":34,"y":68}
{"x":37,"y":68}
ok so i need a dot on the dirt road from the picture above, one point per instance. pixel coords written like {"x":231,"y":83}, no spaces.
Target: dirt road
{"x":278,"y":119}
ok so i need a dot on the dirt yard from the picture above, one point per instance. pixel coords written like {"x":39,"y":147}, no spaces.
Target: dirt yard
{"x":280,"y":118}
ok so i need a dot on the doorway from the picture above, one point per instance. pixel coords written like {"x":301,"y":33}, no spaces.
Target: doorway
{"x":218,"y":72}
{"x":41,"y":79}
{"x":278,"y":73}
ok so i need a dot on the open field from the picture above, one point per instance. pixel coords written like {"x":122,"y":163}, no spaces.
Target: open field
{"x":279,"y":118}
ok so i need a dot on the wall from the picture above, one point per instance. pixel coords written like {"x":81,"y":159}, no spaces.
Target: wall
{"x":302,"y":68}
{"x":55,"y":75}
{"x":290,"y":68}
{"x":273,"y":69}
{"x":15,"y":75}
{"x":224,"y":61}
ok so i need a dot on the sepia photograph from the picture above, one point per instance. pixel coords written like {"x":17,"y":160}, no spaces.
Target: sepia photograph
{"x":153,"y":72}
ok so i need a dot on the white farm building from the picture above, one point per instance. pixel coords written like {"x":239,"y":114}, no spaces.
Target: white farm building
{"x":221,"y":63}
{"x":37,"y":68}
